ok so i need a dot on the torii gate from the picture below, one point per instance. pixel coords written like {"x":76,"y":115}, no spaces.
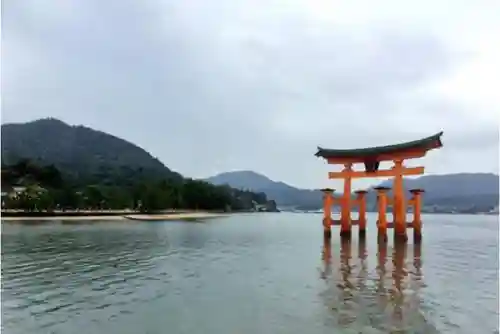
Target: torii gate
{"x":371,"y":158}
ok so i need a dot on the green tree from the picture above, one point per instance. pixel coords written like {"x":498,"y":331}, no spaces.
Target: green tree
{"x":119,"y":188}
{"x":45,"y":201}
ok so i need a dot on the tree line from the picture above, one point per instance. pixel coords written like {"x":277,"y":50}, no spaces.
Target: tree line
{"x":46,"y":188}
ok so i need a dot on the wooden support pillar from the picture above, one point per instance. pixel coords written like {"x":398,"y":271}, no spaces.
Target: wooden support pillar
{"x":363,"y":267}
{"x":398,"y":261}
{"x":361,"y":199}
{"x":417,"y":209}
{"x":399,"y":205}
{"x":326,"y":256}
{"x":345,"y":257}
{"x":327,"y":211}
{"x":417,"y":259}
{"x":382,"y":212}
{"x":362,"y":255}
{"x":381,"y":267}
{"x":345,"y":214}
{"x":398,"y":275}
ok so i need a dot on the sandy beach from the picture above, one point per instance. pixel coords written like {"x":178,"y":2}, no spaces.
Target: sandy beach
{"x":118,"y":217}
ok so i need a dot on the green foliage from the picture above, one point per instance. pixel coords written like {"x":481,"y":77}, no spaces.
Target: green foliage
{"x":81,"y":168}
{"x":26,"y":172}
{"x":48,"y":189}
{"x":85,"y":154}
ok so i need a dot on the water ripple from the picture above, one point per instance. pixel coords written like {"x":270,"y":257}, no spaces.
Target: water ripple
{"x":261,"y":273}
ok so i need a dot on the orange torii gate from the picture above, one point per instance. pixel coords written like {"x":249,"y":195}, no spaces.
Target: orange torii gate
{"x":371,"y":158}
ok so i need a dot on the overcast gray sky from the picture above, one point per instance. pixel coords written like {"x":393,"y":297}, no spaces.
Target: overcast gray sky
{"x":221,"y":85}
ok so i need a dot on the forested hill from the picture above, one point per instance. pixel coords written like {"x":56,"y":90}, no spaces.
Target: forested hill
{"x":74,"y":167}
{"x":76,"y":150}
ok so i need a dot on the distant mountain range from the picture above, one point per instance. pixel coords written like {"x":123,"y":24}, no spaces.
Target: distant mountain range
{"x":475,"y":192}
{"x":282,"y":193}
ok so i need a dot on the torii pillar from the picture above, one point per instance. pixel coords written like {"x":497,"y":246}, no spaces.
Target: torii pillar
{"x":417,"y":208}
{"x":398,"y":203}
{"x":361,"y":201}
{"x":382,"y":213}
{"x":327,"y":211}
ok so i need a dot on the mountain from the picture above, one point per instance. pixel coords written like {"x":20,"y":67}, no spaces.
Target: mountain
{"x":463,"y":191}
{"x":243,"y":180}
{"x":282,"y":193}
{"x":77,"y":150}
{"x":81,"y":167}
{"x":448,"y":185}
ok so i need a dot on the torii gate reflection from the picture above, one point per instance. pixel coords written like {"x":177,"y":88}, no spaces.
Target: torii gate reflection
{"x":391,"y":284}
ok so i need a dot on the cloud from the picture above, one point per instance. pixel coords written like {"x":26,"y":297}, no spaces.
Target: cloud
{"x":223,"y":85}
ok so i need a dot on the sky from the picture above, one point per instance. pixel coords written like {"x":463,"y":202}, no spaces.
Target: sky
{"x":223,"y":85}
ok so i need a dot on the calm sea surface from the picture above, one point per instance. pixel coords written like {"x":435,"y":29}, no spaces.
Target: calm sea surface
{"x":255,"y":273}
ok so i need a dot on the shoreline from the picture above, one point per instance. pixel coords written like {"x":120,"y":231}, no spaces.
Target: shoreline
{"x":118,"y":217}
